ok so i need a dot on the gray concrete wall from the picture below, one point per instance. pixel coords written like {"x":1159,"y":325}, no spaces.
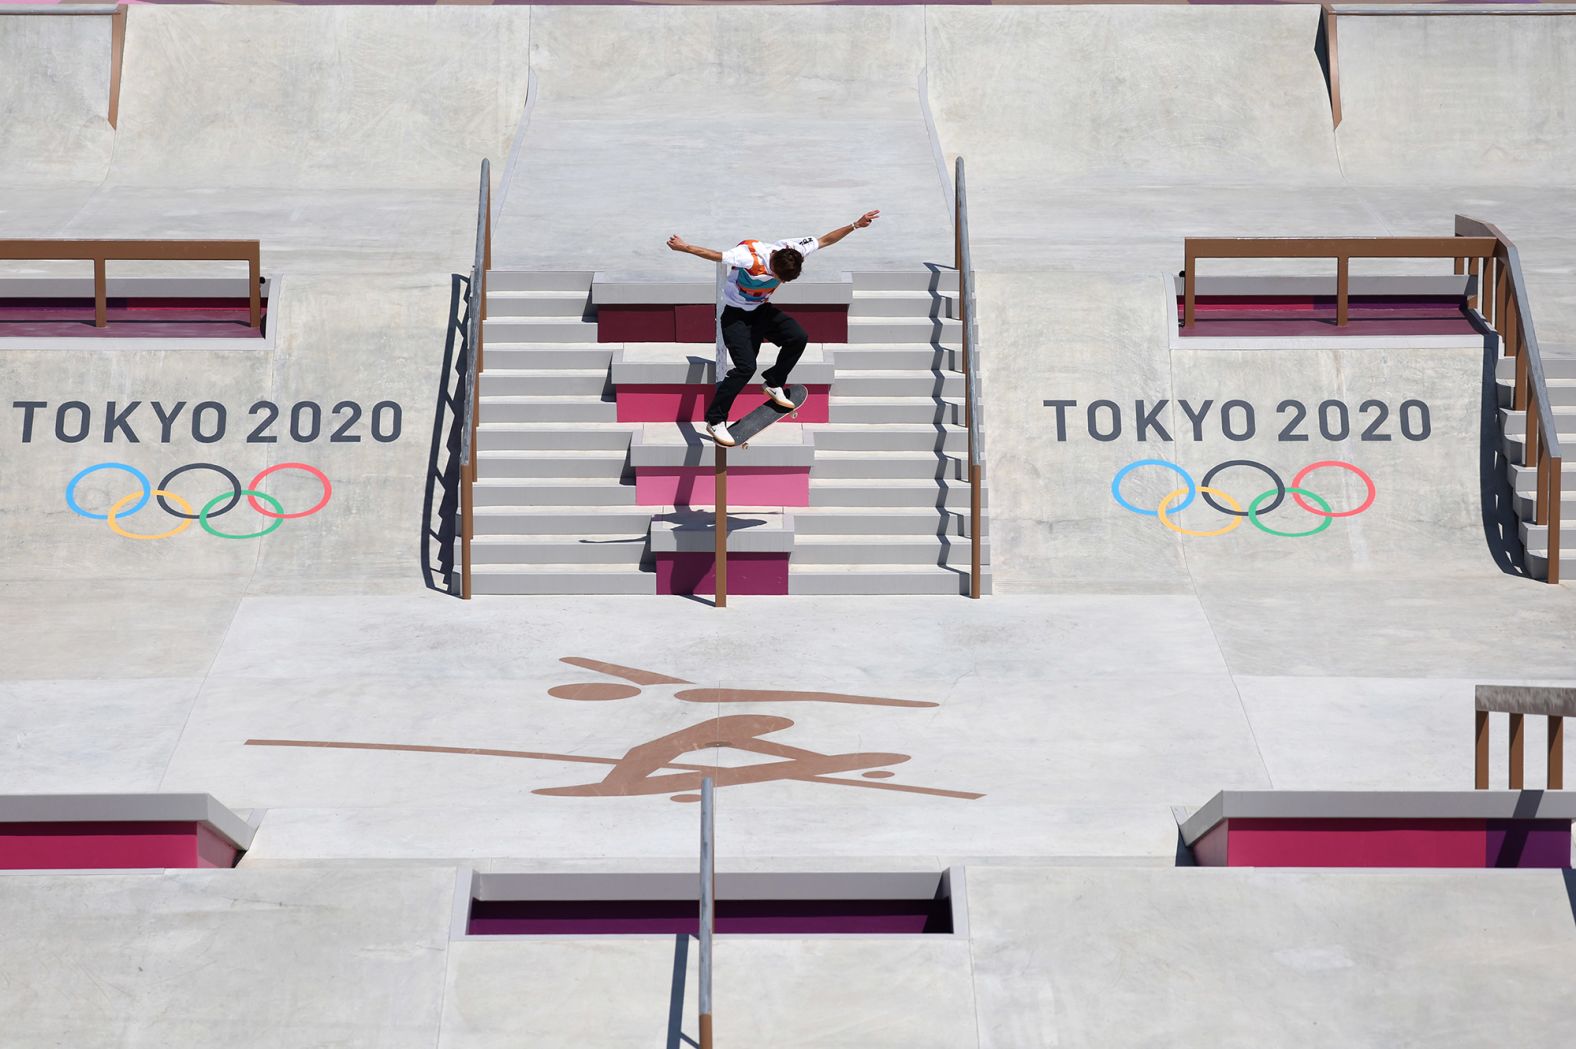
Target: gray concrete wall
{"x":54,"y":101}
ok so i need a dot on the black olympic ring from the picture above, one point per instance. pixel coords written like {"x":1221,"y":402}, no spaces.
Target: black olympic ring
{"x":235,"y":486}
{"x":1280,"y":486}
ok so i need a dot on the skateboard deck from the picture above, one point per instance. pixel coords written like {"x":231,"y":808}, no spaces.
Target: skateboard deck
{"x":767,"y":414}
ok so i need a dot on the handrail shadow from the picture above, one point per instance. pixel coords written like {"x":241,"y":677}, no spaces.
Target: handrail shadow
{"x":439,"y":551}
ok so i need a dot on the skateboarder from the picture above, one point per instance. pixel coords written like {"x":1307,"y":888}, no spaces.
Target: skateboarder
{"x":756,"y":269}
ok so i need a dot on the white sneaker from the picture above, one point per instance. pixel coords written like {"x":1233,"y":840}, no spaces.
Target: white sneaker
{"x":779,"y":395}
{"x":720,"y":434}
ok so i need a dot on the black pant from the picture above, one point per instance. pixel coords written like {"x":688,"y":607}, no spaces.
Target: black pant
{"x":743,"y":331}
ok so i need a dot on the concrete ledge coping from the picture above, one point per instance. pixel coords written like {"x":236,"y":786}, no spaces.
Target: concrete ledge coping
{"x":877,"y":885}
{"x":1426,"y":285}
{"x":749,"y":532}
{"x":128,"y":808}
{"x":672,"y":445}
{"x":66,"y":9}
{"x":128,"y":287}
{"x":1455,"y":9}
{"x":694,"y":364}
{"x":606,"y":291}
{"x":1379,"y":805}
{"x":1179,"y":341}
{"x":1527,"y":699}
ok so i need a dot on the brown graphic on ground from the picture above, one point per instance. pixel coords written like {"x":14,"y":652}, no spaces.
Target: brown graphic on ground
{"x":644,"y":769}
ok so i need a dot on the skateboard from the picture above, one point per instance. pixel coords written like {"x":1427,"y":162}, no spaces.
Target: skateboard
{"x":765,"y":415}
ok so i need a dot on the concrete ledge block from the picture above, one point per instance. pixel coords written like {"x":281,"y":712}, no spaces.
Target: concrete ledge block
{"x":1527,"y":699}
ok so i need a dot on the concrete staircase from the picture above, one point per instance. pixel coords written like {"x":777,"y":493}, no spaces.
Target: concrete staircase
{"x":555,"y":500}
{"x":1560,"y":371}
{"x":889,"y":494}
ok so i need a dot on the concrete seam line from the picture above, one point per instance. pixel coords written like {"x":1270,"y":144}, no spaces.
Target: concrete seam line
{"x":519,"y":132}
{"x":948,"y":191}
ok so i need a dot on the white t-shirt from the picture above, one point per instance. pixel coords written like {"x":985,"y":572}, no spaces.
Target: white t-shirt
{"x":750,"y":280}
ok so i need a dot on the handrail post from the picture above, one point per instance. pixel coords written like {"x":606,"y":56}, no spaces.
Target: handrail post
{"x":100,"y":295}
{"x":1517,"y":750}
{"x":255,"y":277}
{"x":1481,"y":742}
{"x":708,"y":903}
{"x":720,"y":527}
{"x":1342,"y":284}
{"x":1554,"y":518}
{"x":1556,"y":762}
{"x":1189,"y":264}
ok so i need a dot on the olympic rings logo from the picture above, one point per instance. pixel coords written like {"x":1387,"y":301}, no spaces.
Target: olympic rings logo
{"x":1265,"y":502}
{"x":129,"y":504}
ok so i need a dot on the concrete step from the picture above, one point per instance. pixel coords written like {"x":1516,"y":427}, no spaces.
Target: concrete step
{"x":547,"y":382}
{"x":883,"y":358}
{"x":537,"y":303}
{"x":1554,"y":367}
{"x":1538,"y":564}
{"x":564,"y":549}
{"x":546,"y":410}
{"x":887,"y":521}
{"x":1514,"y":424}
{"x":561,"y":579}
{"x":886,"y":550}
{"x":894,"y":383}
{"x":864,"y":492}
{"x":538,"y":280}
{"x":561,"y":329}
{"x":846,"y":409}
{"x":560,"y":492}
{"x":889,"y":437}
{"x":608,"y":465}
{"x":515,"y":356}
{"x":883,"y":465}
{"x":562,"y":520}
{"x":879,"y":579}
{"x":498,"y":437}
{"x":902,"y":304}
{"x":1524,"y":479}
{"x":915,"y":331}
{"x":1562,"y":393}
{"x":1525,"y":508}
{"x":944,"y":280}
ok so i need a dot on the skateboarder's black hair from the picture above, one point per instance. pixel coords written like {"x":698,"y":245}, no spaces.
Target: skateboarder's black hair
{"x":787,"y":263}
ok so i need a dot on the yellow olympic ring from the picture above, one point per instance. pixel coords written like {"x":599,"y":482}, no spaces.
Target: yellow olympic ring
{"x":1179,"y":493}
{"x":134,"y":496}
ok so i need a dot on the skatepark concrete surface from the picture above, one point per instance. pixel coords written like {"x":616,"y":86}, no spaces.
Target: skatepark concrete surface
{"x":1047,"y":732}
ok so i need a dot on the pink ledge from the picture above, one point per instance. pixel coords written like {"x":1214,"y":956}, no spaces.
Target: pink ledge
{"x":747,"y":485}
{"x":682,"y":402}
{"x":688,"y":572}
{"x":112,"y":845}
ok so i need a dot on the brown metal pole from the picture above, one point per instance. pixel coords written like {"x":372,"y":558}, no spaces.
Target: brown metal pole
{"x":720,"y":568}
{"x":100,"y":293}
{"x":1480,"y":764}
{"x":254,"y":270}
{"x":1486,"y":291}
{"x":467,"y":526}
{"x":1556,"y":753}
{"x":1472,"y":272}
{"x":1554,"y":518}
{"x":1461,"y":265}
{"x":1517,"y":751}
{"x":974,"y":530}
{"x":705,"y":1031}
{"x":1342,"y":266}
{"x":1189,"y":263}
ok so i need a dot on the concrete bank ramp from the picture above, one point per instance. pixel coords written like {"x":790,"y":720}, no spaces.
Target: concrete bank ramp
{"x":720,"y":124}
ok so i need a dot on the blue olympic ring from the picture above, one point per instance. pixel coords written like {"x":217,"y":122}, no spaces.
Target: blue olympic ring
{"x":1116,"y":486}
{"x":142,"y":478}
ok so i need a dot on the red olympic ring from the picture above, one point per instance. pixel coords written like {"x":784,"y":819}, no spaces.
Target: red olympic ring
{"x":1296,"y":482}
{"x":328,"y":490}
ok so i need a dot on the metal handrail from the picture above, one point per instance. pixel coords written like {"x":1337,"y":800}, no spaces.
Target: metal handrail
{"x":963,"y":260}
{"x":1504,"y":304}
{"x":475,"y":314}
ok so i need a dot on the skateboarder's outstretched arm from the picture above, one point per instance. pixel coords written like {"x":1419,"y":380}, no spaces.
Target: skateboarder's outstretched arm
{"x":827,"y":240}
{"x":678,"y":243}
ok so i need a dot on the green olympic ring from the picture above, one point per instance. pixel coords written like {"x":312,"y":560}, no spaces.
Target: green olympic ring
{"x":1324,"y":522}
{"x":202,"y":517}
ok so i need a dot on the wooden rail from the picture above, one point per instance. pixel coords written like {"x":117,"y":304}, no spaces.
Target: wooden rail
{"x":1506,"y":307}
{"x":100,"y":252}
{"x":1519,"y":701}
{"x":475,"y":337}
{"x":1341,"y":249}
